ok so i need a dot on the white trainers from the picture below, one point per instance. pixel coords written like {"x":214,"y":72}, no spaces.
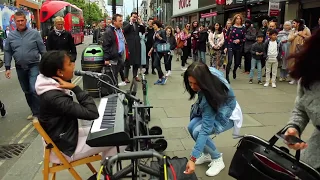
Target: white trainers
{"x":266,"y":84}
{"x":204,"y":158}
{"x":183,"y":68}
{"x":216,"y":166}
{"x":168,"y":73}
{"x":274,"y":85}
{"x":292,"y":82}
{"x":122,"y":83}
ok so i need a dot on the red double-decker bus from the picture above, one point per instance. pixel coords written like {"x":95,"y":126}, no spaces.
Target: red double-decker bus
{"x":73,"y":18}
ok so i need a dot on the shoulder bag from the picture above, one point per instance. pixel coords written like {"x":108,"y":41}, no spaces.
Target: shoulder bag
{"x":258,"y":159}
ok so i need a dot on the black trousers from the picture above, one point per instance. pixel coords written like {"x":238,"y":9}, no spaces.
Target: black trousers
{"x":147,"y":66}
{"x":236,"y":54}
{"x":167,"y":62}
{"x":185,"y":55}
{"x":157,"y":63}
{"x":127,"y":66}
{"x":247,"y":61}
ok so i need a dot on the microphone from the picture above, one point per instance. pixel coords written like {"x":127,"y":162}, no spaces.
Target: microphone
{"x":86,"y":73}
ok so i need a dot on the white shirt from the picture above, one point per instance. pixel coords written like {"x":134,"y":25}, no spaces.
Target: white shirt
{"x":272,"y":50}
{"x":237,"y":119}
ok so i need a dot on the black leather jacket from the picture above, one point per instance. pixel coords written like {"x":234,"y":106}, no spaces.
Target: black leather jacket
{"x":59,"y":116}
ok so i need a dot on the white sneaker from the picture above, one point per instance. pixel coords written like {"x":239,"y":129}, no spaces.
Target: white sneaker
{"x":204,"y":158}
{"x":122,"y":83}
{"x":292,"y":82}
{"x":216,"y":166}
{"x":274,"y":85}
{"x":266,"y":84}
{"x":168,"y":73}
{"x":183,"y":68}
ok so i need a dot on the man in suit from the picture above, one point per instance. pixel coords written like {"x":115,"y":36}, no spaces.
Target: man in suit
{"x":131,"y":32}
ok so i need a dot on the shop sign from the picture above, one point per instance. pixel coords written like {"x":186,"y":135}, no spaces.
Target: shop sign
{"x":230,"y":2}
{"x":207,"y":15}
{"x":220,"y":2}
{"x":274,"y":9}
{"x":184,"y":6}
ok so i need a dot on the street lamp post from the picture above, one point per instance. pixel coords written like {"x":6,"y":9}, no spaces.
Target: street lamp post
{"x":114,"y":8}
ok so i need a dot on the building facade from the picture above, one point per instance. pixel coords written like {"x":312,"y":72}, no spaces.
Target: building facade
{"x":33,"y":6}
{"x":309,"y":10}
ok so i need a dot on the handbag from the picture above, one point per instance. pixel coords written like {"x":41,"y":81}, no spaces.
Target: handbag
{"x":256,"y":158}
{"x":163,"y":47}
{"x":176,"y":167}
{"x":180,"y":43}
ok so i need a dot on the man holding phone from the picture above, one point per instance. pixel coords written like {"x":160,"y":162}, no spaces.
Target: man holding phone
{"x":131,"y":32}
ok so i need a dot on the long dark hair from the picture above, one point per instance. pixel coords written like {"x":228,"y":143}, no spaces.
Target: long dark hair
{"x":214,"y":28}
{"x":301,"y":24}
{"x":306,"y":66}
{"x":215,"y":91}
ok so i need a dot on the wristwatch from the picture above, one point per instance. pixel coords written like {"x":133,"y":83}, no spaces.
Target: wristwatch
{"x":193,"y":159}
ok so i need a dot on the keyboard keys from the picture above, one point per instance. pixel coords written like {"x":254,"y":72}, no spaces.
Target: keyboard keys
{"x":109,"y":114}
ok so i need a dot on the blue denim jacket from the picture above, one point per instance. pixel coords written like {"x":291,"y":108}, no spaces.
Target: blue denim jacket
{"x":212,"y":122}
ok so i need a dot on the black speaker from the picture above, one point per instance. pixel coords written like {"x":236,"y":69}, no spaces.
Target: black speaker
{"x":167,"y":1}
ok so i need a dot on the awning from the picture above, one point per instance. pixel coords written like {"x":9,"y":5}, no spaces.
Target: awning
{"x":194,"y":11}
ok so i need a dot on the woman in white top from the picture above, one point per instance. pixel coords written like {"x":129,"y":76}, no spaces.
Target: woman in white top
{"x":216,"y":40}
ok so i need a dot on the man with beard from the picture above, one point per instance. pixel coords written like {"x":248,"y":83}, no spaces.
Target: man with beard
{"x":149,"y":44}
{"x":250,"y":39}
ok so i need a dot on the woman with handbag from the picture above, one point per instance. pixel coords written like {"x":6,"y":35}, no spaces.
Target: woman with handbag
{"x":297,"y":38}
{"x":169,"y":55}
{"x":159,"y":38}
{"x":215,"y":111}
{"x":180,"y":43}
{"x":306,"y":71}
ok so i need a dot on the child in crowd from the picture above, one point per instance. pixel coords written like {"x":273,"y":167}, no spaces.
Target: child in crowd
{"x":257,"y":51}
{"x":273,"y":55}
{"x":203,"y":38}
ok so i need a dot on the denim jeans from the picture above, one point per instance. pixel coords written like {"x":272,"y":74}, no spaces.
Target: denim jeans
{"x":202,"y":56}
{"x":255,"y":63}
{"x":27,"y":79}
{"x":283,"y":73}
{"x":194,"y":128}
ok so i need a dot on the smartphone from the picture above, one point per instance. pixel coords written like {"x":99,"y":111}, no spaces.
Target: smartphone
{"x":290,"y":139}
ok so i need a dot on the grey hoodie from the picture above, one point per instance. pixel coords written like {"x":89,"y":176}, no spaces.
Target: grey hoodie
{"x":24,"y":47}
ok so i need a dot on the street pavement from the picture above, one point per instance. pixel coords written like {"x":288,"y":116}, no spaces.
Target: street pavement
{"x":265,"y":111}
{"x":15,"y":128}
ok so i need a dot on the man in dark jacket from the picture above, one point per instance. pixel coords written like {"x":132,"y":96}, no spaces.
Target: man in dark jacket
{"x":149,"y":43}
{"x":114,"y":45}
{"x":131,"y":32}
{"x":250,"y":39}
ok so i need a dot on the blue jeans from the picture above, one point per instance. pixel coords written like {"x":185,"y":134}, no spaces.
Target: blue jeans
{"x":194,"y":128}
{"x":283,"y":73}
{"x":27,"y":79}
{"x":202,"y":56}
{"x":255,"y":63}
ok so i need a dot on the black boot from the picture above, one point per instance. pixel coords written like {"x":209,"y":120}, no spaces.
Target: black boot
{"x":234,"y":74}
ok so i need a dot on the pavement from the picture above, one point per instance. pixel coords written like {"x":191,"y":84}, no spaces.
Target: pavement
{"x":265,"y":111}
